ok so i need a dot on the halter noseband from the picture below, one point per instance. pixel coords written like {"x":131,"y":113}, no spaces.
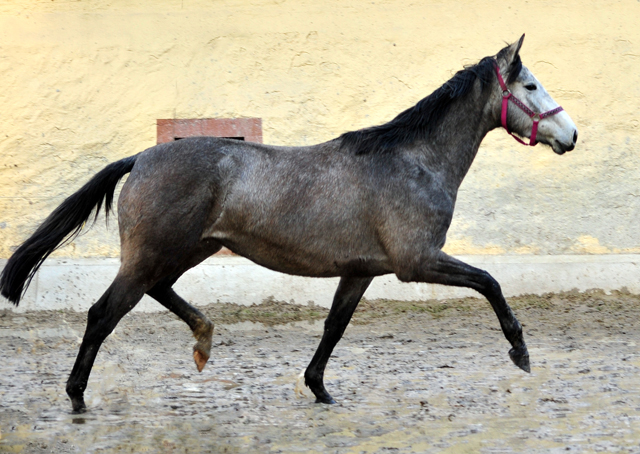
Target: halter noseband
{"x":508,"y":96}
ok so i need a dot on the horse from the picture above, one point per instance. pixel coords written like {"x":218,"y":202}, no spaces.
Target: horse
{"x":370,"y":202}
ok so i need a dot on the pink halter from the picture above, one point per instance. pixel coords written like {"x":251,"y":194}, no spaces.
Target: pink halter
{"x":508,"y":96}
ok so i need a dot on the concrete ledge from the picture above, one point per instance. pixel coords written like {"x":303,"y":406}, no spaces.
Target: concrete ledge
{"x":77,"y":283}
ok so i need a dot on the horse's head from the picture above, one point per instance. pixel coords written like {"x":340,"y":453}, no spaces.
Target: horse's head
{"x":526,"y":107}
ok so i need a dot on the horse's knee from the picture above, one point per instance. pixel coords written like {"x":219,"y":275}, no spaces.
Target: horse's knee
{"x":490,"y":288}
{"x":423,"y":269}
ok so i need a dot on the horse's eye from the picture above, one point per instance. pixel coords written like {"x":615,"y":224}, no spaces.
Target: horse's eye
{"x":531,"y":87}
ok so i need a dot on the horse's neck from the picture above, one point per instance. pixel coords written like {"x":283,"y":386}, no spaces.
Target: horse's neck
{"x":455,"y":144}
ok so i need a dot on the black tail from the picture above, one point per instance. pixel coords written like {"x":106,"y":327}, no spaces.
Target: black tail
{"x":62,"y":226}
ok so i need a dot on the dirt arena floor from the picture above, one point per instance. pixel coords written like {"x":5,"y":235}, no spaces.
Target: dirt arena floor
{"x":429,"y":377}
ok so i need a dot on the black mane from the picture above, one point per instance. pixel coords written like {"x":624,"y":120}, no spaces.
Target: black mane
{"x":420,"y":120}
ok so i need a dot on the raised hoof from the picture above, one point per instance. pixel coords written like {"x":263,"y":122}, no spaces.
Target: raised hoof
{"x":202,"y":349}
{"x":200,"y":358}
{"x":520,"y":357}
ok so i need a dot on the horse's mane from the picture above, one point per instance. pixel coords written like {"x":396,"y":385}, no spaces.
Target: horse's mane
{"x":420,"y":120}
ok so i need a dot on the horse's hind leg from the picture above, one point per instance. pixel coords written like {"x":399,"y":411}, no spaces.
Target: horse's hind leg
{"x":123,"y":294}
{"x":345,"y":301}
{"x":449,"y":271}
{"x":200,"y":325}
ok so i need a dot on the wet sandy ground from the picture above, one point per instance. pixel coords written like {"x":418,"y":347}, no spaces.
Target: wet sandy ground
{"x":425,"y":378}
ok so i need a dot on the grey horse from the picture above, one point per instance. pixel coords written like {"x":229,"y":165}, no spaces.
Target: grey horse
{"x":370,"y":202}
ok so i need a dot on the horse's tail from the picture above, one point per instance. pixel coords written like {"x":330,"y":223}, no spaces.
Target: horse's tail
{"x":61,"y":227}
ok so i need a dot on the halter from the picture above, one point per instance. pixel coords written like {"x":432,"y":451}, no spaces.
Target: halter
{"x":508,"y":96}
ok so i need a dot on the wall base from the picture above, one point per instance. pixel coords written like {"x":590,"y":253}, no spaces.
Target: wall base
{"x":77,"y":283}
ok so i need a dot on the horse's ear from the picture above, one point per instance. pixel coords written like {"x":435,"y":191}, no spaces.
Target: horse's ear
{"x":513,"y":50}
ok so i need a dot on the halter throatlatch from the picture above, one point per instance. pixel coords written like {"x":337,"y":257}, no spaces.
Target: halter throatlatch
{"x":508,"y":96}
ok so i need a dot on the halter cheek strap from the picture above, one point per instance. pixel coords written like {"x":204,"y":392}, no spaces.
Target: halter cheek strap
{"x":508,"y":96}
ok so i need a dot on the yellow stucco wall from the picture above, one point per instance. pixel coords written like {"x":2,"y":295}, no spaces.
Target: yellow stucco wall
{"x":83,"y":83}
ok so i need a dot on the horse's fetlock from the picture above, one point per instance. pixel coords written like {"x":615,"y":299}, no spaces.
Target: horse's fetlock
{"x":312,"y":379}
{"x":75,"y":390}
{"x":204,"y":329}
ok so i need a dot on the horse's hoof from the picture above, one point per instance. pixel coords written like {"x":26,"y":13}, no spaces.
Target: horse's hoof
{"x":200,"y":358}
{"x":325,"y":400}
{"x":520,"y":357}
{"x":202,"y":348}
{"x":77,"y":403}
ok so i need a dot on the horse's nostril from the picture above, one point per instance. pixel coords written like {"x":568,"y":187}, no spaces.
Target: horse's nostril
{"x":575,"y":136}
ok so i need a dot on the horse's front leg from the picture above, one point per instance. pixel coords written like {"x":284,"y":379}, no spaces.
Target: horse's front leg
{"x":345,"y":301}
{"x":449,"y":271}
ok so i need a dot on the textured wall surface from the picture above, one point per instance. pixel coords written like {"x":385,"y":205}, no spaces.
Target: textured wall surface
{"x":84,"y":82}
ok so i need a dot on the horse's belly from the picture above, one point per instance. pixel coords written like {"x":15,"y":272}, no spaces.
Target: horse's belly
{"x":313,"y":266}
{"x":316,"y":258}
{"x":323,"y":230}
